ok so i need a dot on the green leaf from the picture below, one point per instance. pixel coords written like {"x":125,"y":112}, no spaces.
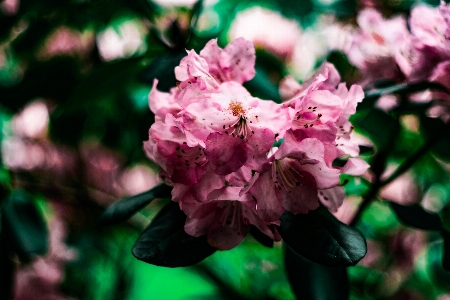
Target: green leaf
{"x":321,"y":238}
{"x":24,"y":226}
{"x":435,"y":126}
{"x":343,"y":66}
{"x":379,"y":126}
{"x":195,"y":15}
{"x":125,"y":208}
{"x":311,"y":281}
{"x":165,"y":243}
{"x":261,"y":86}
{"x":415,"y":216}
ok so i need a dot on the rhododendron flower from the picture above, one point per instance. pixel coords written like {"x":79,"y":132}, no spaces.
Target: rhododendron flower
{"x":214,"y":142}
{"x":429,"y":43}
{"x":226,"y":217}
{"x":376,"y":43}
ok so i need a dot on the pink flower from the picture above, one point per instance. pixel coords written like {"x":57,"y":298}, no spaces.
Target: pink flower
{"x":212,"y":139}
{"x":215,"y":65}
{"x":161,"y":103}
{"x":322,"y":106}
{"x":232,"y":117}
{"x":226,"y":218}
{"x":429,"y":43}
{"x":376,"y":43}
{"x":298,"y":170}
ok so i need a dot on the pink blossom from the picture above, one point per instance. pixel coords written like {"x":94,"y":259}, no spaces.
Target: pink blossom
{"x":322,"y":107}
{"x":428,"y":45}
{"x":215,"y":65}
{"x":297,"y":172}
{"x":376,"y":44}
{"x":212,"y":139}
{"x":226,"y":217}
{"x":161,"y":103}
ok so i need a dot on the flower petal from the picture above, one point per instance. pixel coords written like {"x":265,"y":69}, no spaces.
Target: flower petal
{"x":225,"y":152}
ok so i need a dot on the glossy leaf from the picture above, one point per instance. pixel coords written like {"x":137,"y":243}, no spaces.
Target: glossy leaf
{"x":125,"y":208}
{"x":321,"y":238}
{"x":369,"y":121}
{"x":261,"y":86}
{"x":165,"y":243}
{"x":415,"y":216}
{"x":23,"y":225}
{"x":311,"y":281}
{"x":435,"y":126}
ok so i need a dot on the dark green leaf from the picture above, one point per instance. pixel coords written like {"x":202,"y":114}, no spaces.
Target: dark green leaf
{"x":162,"y":68}
{"x":415,"y":216}
{"x":321,"y":238}
{"x":125,"y":208}
{"x":195,"y":14}
{"x":435,"y":126}
{"x":369,"y":121}
{"x":311,"y":281}
{"x":24,"y":226}
{"x":343,"y":66}
{"x":261,"y":86}
{"x":165,"y":243}
{"x":446,"y":251}
{"x":365,"y":150}
{"x":261,"y":237}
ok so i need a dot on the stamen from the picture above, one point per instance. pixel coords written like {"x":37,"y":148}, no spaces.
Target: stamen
{"x":339,"y":135}
{"x":283,"y":172}
{"x":241,"y":128}
{"x":308,"y":123}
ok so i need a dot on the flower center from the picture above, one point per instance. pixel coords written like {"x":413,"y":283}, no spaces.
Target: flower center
{"x":240,"y":128}
{"x":236,"y":108}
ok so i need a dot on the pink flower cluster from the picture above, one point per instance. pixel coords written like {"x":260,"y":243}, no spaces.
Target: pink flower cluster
{"x":215,"y":144}
{"x":386,"y":48}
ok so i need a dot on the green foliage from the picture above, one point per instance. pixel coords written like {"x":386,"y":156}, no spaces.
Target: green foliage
{"x":415,"y":216}
{"x":23,"y":229}
{"x":321,"y":238}
{"x":165,"y":243}
{"x":125,"y":208}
